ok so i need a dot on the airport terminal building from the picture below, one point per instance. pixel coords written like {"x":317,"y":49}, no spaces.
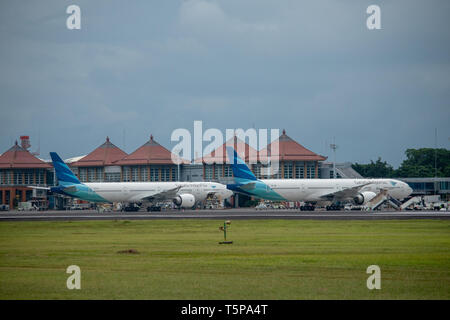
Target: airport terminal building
{"x":108,"y":163}
{"x":294,"y":161}
{"x":153,"y":162}
{"x":20,"y":168}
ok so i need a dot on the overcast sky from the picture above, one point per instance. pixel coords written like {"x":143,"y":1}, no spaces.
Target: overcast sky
{"x":149,"y":67}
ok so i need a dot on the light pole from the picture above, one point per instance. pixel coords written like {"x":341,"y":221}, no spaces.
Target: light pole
{"x":435,"y":161}
{"x":178,"y":162}
{"x":333,"y":146}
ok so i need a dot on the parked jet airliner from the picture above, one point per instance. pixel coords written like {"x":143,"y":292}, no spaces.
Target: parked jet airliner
{"x":183,"y":194}
{"x":358,"y":191}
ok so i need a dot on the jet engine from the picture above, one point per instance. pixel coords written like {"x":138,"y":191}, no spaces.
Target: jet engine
{"x":184,"y":200}
{"x":364,"y":197}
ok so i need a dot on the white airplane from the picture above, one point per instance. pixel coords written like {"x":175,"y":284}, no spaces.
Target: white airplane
{"x":183,"y":194}
{"x":358,"y":191}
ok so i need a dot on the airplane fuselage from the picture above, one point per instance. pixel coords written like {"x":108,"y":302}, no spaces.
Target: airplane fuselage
{"x":135,"y":191}
{"x":314,"y":189}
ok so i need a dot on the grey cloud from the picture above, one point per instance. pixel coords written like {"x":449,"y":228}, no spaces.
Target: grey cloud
{"x":143,"y":67}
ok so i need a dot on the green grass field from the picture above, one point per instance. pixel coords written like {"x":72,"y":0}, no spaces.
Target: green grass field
{"x":269,"y":259}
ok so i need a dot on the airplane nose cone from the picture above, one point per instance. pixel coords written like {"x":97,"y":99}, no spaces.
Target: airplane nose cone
{"x":407,"y":189}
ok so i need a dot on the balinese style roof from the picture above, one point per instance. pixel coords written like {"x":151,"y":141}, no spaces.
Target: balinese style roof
{"x":105,"y":155}
{"x":288,"y":149}
{"x":18,"y":157}
{"x":150,"y":153}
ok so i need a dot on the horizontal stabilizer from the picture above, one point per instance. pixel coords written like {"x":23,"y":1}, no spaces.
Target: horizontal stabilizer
{"x":38,"y":188}
{"x":248,"y":186}
{"x":70,"y":189}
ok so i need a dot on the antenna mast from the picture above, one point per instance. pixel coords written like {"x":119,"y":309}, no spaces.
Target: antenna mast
{"x":333,"y":146}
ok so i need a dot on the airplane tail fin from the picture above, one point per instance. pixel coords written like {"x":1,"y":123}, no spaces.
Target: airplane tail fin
{"x":240,"y":170}
{"x":63,"y":173}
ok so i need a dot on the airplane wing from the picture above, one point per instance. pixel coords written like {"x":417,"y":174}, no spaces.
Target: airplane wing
{"x":164,"y":195}
{"x":345,"y":193}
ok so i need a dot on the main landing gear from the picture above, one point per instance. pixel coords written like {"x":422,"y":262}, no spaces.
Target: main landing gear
{"x":307,"y":207}
{"x":334,"y":207}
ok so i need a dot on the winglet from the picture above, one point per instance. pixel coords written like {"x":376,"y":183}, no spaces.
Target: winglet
{"x":63,"y":173}
{"x":240,"y":169}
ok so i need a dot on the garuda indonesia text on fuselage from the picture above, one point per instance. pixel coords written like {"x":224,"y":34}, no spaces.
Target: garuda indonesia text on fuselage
{"x":183,"y":194}
{"x":358,"y":191}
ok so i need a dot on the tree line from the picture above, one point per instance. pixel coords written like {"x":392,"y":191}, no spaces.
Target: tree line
{"x":418,"y":163}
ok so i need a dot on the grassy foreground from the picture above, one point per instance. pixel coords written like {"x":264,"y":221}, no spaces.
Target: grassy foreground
{"x":181,"y":259}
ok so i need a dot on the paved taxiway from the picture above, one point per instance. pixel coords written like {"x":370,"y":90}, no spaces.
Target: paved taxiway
{"x":231,"y":214}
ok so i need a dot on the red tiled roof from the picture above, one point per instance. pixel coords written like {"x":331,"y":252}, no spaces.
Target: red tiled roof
{"x":18,"y":157}
{"x":150,"y":153}
{"x":105,"y":155}
{"x":291,"y":150}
